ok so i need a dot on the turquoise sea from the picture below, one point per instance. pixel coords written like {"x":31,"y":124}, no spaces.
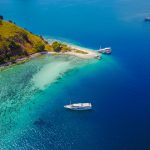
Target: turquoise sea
{"x":32,"y":95}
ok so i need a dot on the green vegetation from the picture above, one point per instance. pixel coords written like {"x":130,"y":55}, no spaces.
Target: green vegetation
{"x":40,"y":47}
{"x":56,"y":46}
{"x":16,"y":42}
{"x":60,"y":47}
{"x":1,"y":19}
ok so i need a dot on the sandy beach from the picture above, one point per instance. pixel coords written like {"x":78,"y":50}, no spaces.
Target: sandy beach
{"x":75,"y":51}
{"x":87,"y":54}
{"x":80,"y":52}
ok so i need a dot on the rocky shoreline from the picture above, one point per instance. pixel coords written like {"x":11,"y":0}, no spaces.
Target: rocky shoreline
{"x":21,"y":60}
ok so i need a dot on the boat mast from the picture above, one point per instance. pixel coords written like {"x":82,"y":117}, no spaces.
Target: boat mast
{"x":100,"y":47}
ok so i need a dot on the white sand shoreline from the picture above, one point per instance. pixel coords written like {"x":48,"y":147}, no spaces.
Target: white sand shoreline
{"x":87,"y":54}
{"x":90,"y":52}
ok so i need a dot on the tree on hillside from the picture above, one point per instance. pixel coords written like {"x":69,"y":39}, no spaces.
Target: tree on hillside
{"x":1,"y":17}
{"x":10,"y":21}
{"x":40,"y":47}
{"x":56,"y":46}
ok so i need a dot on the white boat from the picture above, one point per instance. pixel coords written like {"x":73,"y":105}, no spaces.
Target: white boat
{"x":106,"y":50}
{"x":79,"y":106}
{"x":147,"y":19}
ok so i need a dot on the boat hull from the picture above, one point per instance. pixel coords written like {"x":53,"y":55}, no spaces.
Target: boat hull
{"x":79,"y":106}
{"x":71,"y":108}
{"x":105,"y":50}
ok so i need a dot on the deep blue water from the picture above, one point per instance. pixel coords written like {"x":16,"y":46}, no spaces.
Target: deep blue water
{"x":118,"y":85}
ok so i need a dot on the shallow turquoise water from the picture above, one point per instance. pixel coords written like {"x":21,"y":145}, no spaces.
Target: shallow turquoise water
{"x":37,"y":86}
{"x":118,"y":85}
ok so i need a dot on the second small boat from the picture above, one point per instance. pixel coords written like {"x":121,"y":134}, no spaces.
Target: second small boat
{"x":147,"y":19}
{"x":79,"y":106}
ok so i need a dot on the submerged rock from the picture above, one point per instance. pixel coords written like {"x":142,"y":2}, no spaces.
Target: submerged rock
{"x":40,"y":122}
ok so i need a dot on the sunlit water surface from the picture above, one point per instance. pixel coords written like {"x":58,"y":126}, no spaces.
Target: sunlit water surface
{"x":32,"y":95}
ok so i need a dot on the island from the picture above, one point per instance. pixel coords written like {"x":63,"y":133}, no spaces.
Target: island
{"x":18,"y":44}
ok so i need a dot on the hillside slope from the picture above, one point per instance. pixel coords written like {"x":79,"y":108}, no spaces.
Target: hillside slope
{"x":16,"y":42}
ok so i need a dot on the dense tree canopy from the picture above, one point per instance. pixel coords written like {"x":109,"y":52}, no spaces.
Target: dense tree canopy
{"x":56,"y":46}
{"x":1,"y":18}
{"x":40,"y":47}
{"x":16,"y":42}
